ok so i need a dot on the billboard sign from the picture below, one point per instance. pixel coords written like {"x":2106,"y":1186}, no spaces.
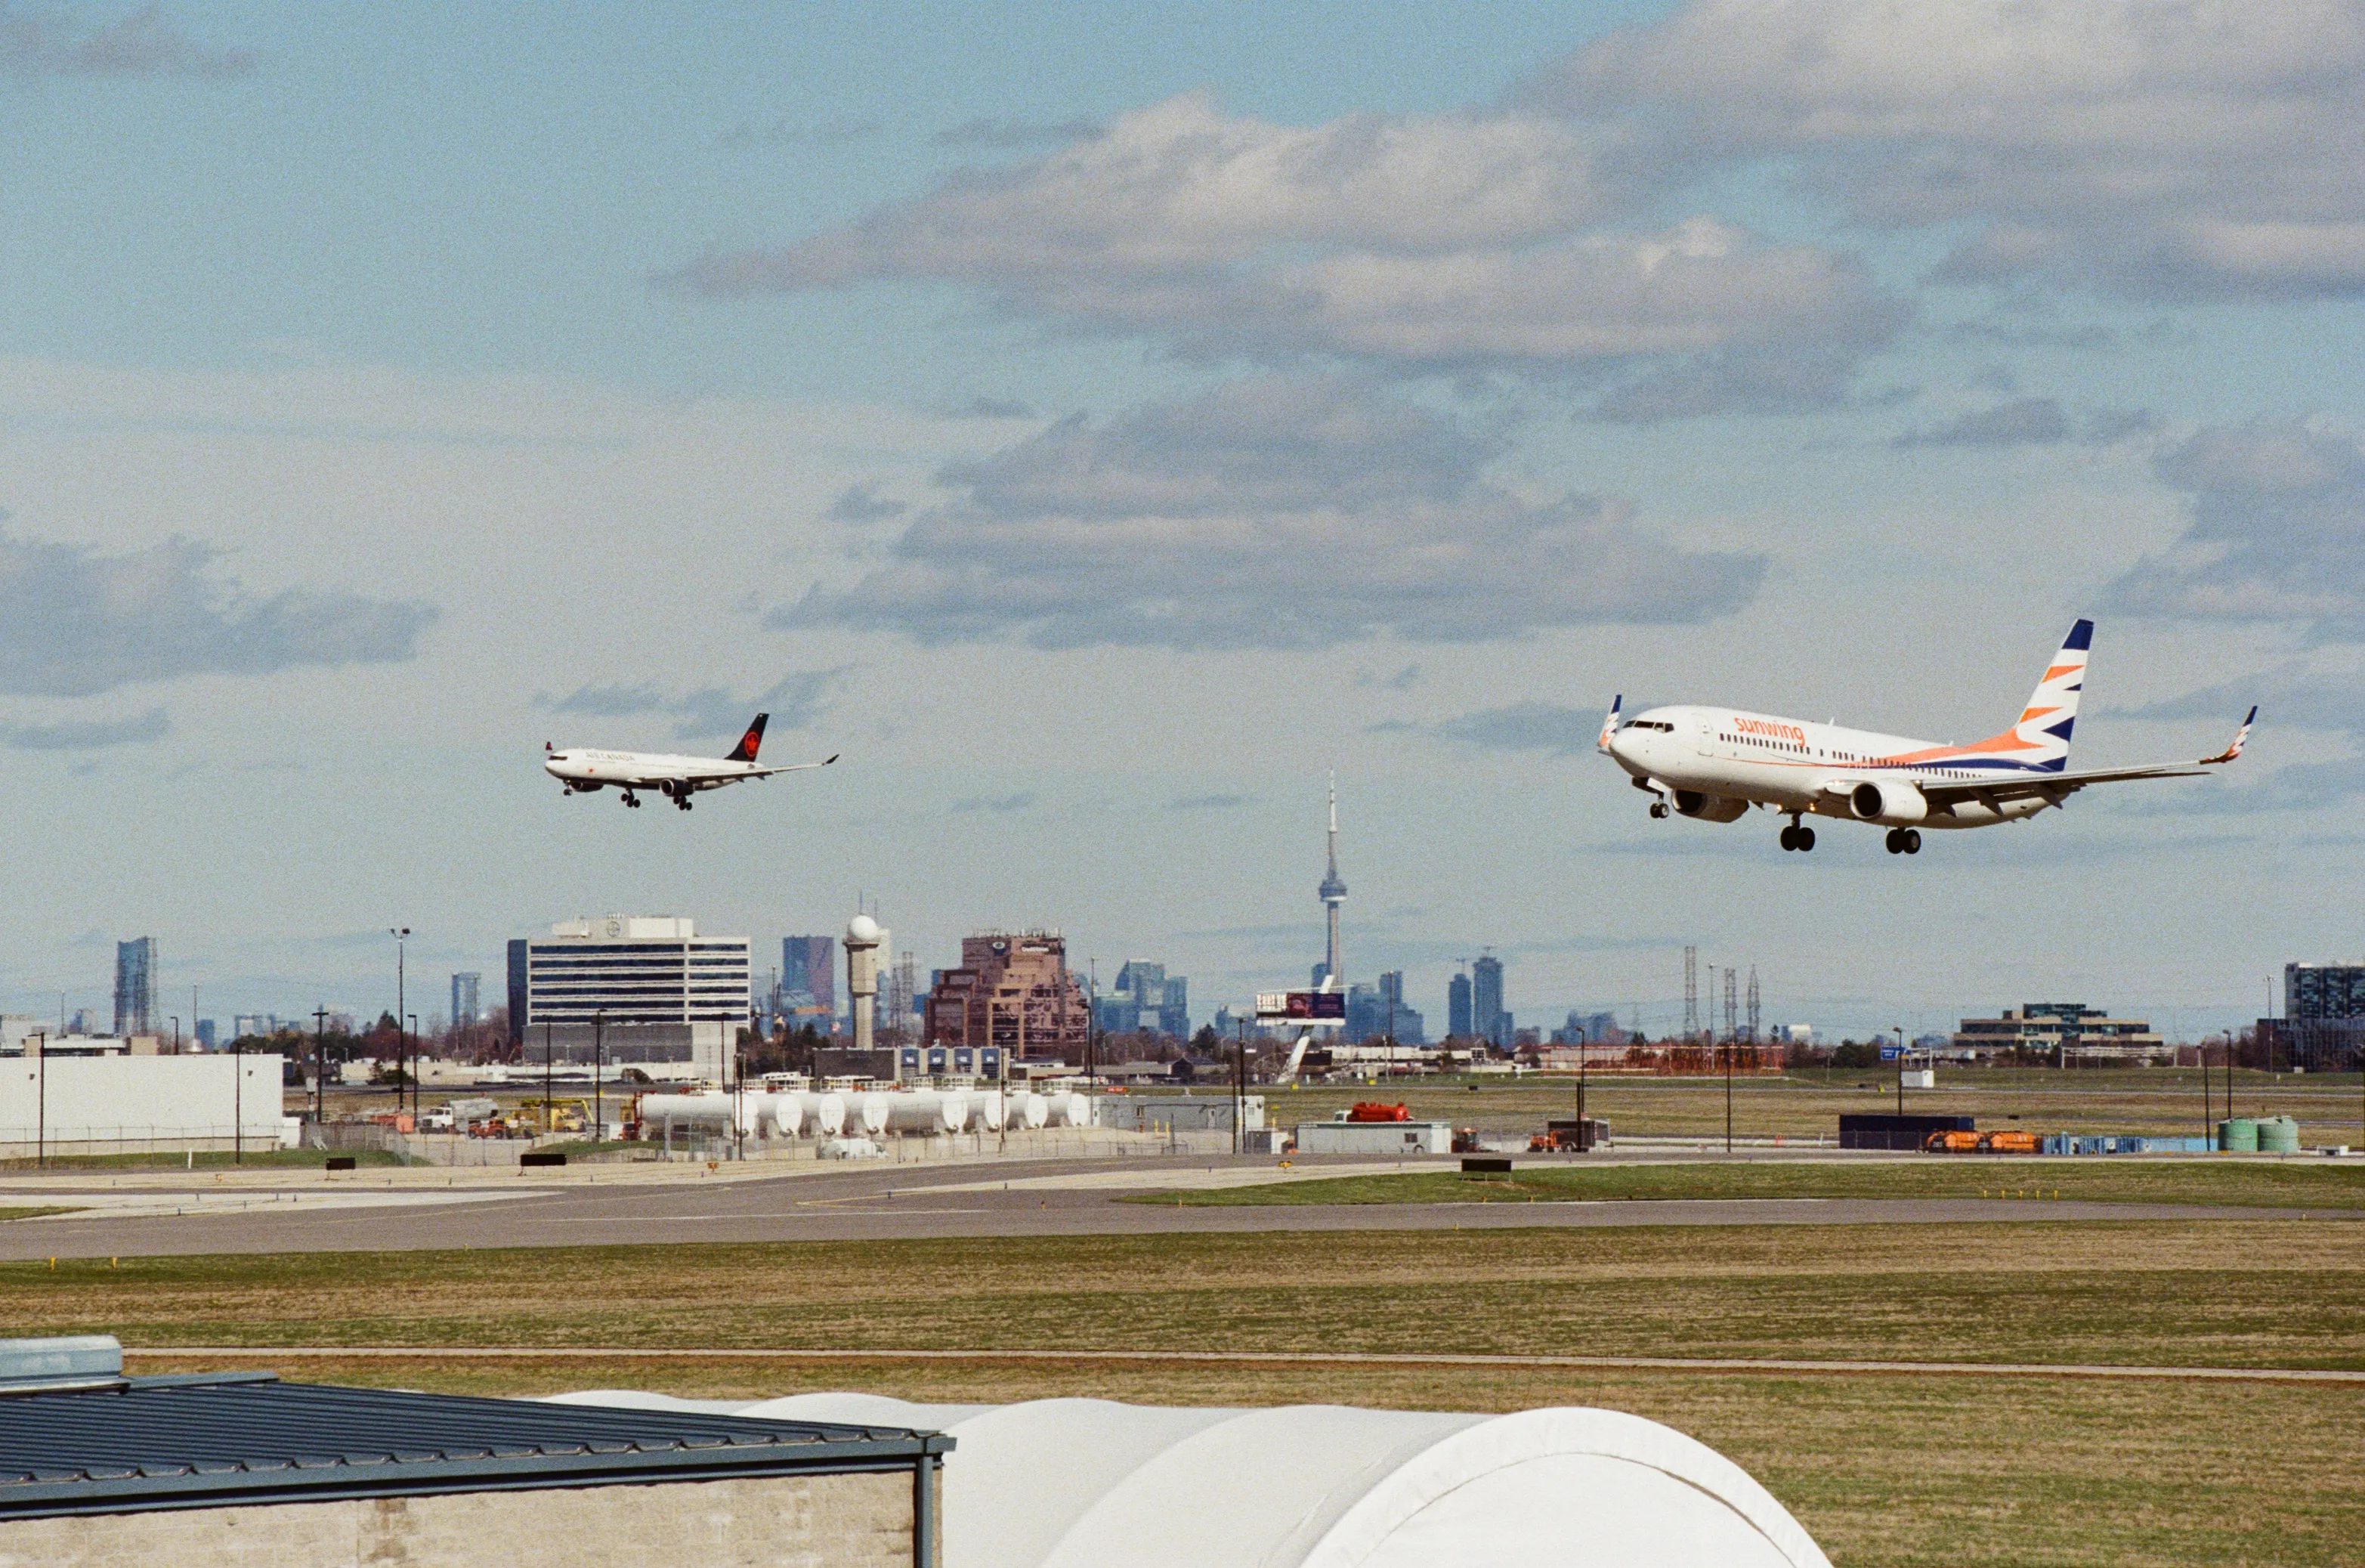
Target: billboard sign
{"x":1893,"y":1053}
{"x":1302,"y":1006}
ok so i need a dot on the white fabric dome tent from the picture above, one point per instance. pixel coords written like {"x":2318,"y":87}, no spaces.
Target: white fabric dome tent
{"x":1088,"y":1483}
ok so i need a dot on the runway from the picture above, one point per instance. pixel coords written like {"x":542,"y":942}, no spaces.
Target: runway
{"x":641,"y":1205}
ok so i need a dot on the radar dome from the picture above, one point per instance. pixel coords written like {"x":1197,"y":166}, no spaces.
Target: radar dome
{"x":862,"y":928}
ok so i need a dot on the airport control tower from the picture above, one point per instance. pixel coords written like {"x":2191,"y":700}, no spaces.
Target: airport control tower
{"x":1333,"y":893}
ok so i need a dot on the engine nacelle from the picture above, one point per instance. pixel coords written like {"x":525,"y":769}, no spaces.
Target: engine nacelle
{"x":1892,"y":802}
{"x":1708,"y":808}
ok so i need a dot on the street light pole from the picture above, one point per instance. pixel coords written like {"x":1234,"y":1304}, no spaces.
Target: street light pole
{"x":598,"y":1105}
{"x":401,"y":934}
{"x":42,"y":1101}
{"x":320,"y":1070}
{"x":1729,"y":1050}
{"x":176,"y":1034}
{"x":238,"y":1102}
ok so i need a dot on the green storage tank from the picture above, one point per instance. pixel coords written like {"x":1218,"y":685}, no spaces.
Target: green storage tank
{"x":2238,"y":1135}
{"x":2278,"y":1135}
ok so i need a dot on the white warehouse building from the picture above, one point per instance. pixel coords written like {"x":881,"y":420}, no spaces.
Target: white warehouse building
{"x":1086,"y":1482}
{"x":137,"y":1104}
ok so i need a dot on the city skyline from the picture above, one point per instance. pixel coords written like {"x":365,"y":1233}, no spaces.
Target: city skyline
{"x":1097,"y":429}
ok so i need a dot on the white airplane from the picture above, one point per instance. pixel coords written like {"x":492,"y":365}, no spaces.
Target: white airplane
{"x":585,"y":771}
{"x":1716,"y":763}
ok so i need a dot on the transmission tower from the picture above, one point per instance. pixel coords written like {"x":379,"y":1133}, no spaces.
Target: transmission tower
{"x":1752,"y":1005}
{"x":1691,"y":993}
{"x":1731,"y":1022}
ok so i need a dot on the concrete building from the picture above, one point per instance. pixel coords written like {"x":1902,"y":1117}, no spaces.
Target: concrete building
{"x":97,"y":1468}
{"x":2323,"y":1025}
{"x":135,"y":987}
{"x":2067,"y":1030}
{"x":122,"y":1103}
{"x":466,"y":1008}
{"x":633,"y":991}
{"x":1457,"y":1008}
{"x":1012,"y":990}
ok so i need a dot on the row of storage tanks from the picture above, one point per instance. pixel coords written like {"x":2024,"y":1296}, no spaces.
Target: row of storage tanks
{"x":819,"y":1113}
{"x":2267,"y":1135}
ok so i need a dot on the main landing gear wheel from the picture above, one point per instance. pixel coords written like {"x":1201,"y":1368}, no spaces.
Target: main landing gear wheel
{"x":1798,"y":837}
{"x":682,"y":801}
{"x":1658,"y":808}
{"x":1904,"y":841}
{"x":633,"y":802}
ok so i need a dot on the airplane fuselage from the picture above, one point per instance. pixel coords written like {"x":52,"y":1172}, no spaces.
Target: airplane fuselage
{"x":582,"y":768}
{"x":1716,"y":762}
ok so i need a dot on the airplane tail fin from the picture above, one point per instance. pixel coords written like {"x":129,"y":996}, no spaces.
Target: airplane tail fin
{"x":2044,"y":727}
{"x":745,"y":750}
{"x":1610,"y":725}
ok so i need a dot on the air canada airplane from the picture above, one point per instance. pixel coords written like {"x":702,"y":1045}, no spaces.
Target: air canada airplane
{"x":1716,"y":763}
{"x":584,"y":771}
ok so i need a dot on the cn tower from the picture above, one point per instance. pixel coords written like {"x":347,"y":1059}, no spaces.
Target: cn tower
{"x":1333,"y":891}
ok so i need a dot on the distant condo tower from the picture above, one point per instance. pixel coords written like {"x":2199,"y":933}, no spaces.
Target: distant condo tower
{"x":1333,"y":893}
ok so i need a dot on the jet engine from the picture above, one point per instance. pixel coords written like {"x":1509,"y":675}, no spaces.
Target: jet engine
{"x":1892,"y":802}
{"x":1708,"y":808}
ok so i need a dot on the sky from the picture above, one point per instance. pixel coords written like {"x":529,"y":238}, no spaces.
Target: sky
{"x":1099,"y":426}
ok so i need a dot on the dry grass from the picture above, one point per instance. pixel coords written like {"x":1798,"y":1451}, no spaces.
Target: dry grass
{"x":2160,"y":1102}
{"x":2294,"y":1183}
{"x":2262,"y":1293}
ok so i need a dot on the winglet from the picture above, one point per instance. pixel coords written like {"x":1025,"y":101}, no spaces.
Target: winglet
{"x":1609,"y":724}
{"x":832,"y":757}
{"x":2241,"y":739}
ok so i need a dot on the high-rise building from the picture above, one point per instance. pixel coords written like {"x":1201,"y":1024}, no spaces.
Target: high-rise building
{"x":465,"y":1008}
{"x":1487,"y":1019}
{"x":135,"y":987}
{"x":1333,"y":893}
{"x":1012,"y":990}
{"x":207,"y":1035}
{"x":1457,"y":1008}
{"x":1401,"y":1022}
{"x":809,"y":980}
{"x":1146,"y":997}
{"x":636,"y":990}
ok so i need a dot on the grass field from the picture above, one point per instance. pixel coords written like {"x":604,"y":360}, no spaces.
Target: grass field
{"x":1884,"y":1468}
{"x":2298,"y":1183}
{"x":2152,"y":1103}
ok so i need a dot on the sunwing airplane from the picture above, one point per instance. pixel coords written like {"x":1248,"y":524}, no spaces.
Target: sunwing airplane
{"x":1715,"y":763}
{"x":678,"y":778}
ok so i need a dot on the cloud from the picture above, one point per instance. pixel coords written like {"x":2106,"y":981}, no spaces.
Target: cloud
{"x":2277,"y":530}
{"x":144,"y":43}
{"x":1274,"y":512}
{"x":1525,"y":727}
{"x":1443,"y":242}
{"x":1017,"y":803}
{"x":861,"y":503}
{"x":2023,"y":421}
{"x":90,"y":734}
{"x":2163,"y":150}
{"x":794,"y":704}
{"x":1017,"y":133}
{"x":75,"y":622}
{"x":1207,"y":803}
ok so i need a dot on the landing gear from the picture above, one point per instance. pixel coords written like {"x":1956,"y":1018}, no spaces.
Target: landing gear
{"x":1904,"y":841}
{"x":682,"y":801}
{"x":1658,"y":808}
{"x":631,"y":800}
{"x":1798,"y":837}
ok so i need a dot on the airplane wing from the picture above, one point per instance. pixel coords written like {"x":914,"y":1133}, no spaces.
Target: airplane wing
{"x":792,"y":768}
{"x":2059,"y":786}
